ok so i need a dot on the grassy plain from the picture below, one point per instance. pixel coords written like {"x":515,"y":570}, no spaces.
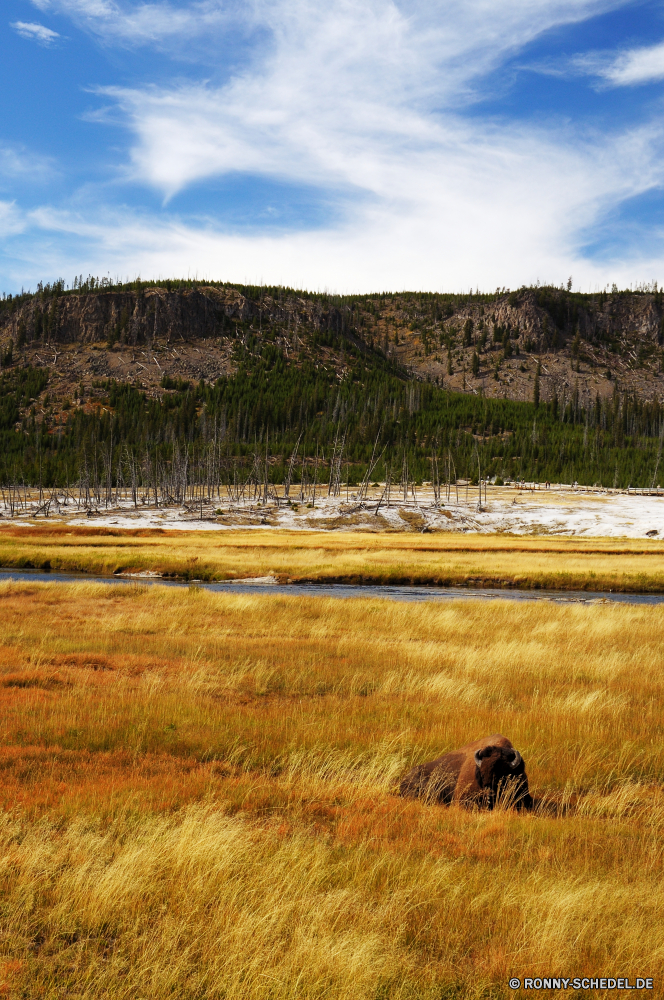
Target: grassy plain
{"x":196,"y":796}
{"x":445,"y":559}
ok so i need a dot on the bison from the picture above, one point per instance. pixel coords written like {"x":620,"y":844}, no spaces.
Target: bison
{"x":475,"y":774}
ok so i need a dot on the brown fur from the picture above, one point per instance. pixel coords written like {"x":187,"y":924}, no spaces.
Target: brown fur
{"x":456,"y":777}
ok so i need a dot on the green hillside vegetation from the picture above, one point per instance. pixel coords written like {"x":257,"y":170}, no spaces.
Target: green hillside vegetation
{"x":224,"y":430}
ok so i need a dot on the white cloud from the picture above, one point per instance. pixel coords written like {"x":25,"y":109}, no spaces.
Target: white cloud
{"x":11,"y":219}
{"x":142,"y":23}
{"x":454,"y":27}
{"x":636,"y":66}
{"x":499,"y":210}
{"x":368,"y":97}
{"x":337,"y":85}
{"x":35,"y":32}
{"x":378,"y":257}
{"x":16,"y":162}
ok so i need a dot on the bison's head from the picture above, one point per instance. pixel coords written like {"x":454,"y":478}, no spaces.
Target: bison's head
{"x":501,"y":770}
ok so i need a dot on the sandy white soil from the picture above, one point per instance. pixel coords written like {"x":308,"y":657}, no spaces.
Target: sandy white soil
{"x":557,"y":511}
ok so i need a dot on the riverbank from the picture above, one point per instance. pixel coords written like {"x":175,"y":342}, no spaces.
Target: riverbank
{"x":357,"y":558}
{"x":270,"y":586}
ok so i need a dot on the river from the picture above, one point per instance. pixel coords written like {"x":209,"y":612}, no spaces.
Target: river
{"x":344,"y":591}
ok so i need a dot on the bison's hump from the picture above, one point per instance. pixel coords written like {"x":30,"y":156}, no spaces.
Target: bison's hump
{"x":495,"y":740}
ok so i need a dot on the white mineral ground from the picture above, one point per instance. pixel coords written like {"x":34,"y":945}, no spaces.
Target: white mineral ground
{"x":533,"y":510}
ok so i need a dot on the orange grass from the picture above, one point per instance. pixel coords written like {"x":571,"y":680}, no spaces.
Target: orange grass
{"x":444,"y":559}
{"x":196,"y":795}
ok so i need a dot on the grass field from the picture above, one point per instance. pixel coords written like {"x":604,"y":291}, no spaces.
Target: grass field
{"x":197,"y":795}
{"x":447,"y":559}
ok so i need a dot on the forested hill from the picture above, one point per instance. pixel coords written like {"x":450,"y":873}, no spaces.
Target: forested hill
{"x":468,"y":342}
{"x":540,"y":383}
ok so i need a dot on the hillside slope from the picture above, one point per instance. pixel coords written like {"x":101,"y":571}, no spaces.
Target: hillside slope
{"x":169,"y":381}
{"x":585,"y":344}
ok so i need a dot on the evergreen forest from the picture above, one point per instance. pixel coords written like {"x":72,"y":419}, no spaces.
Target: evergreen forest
{"x":289,"y":419}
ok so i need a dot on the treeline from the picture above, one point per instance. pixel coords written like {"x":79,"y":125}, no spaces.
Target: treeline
{"x":289,"y":416}
{"x":562,"y":304}
{"x":96,"y":285}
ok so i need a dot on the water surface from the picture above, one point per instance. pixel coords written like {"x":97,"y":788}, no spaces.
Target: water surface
{"x":343,"y":590}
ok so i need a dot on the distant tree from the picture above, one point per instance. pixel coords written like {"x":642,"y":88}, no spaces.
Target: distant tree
{"x":7,"y":356}
{"x":576,"y":347}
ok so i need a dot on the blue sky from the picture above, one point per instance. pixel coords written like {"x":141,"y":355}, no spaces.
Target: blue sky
{"x":345,"y":145}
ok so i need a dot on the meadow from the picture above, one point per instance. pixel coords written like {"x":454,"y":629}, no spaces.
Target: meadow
{"x":444,"y":559}
{"x":198,"y":795}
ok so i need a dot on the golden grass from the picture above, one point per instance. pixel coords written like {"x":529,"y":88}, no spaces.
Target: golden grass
{"x":197,"y":795}
{"x":447,"y":560}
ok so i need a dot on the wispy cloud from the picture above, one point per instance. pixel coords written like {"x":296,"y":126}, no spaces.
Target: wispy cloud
{"x":35,"y":32}
{"x":454,"y":27}
{"x":139,"y":24}
{"x":364,"y":98}
{"x":19,"y":162}
{"x":12,"y":220}
{"x":336,"y":88}
{"x":454,"y":246}
{"x":628,"y":69}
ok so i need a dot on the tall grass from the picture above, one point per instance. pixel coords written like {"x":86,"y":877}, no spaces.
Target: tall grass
{"x":197,"y":795}
{"x":444,"y":559}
